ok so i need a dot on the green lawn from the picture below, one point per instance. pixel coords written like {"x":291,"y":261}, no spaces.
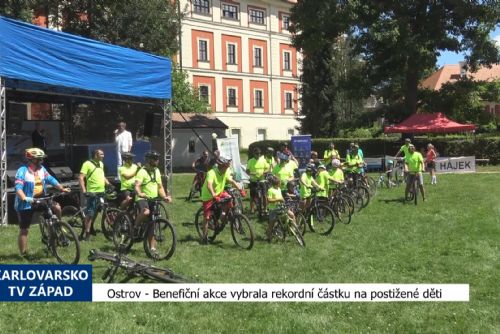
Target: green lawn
{"x":451,"y":238}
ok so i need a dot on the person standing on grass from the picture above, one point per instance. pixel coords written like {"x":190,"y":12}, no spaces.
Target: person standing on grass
{"x":415,"y":163}
{"x":92,"y":182}
{"x":127,"y":173}
{"x":256,"y":167}
{"x":123,"y":140}
{"x":31,"y":182}
{"x":430,"y":161}
{"x":330,"y":154}
{"x":405,"y":149}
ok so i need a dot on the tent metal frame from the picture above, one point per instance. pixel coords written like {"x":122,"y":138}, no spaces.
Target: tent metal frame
{"x":166,"y":106}
{"x":3,"y":154}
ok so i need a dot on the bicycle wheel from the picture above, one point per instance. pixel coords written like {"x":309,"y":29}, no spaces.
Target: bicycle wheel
{"x":300,"y":220}
{"x":321,"y":219}
{"x":294,"y":230}
{"x":364,"y":193}
{"x":198,"y":222}
{"x":165,"y":275}
{"x":277,"y":231}
{"x":123,"y":232}
{"x":73,"y":216}
{"x":372,"y":186}
{"x":163,"y":242}
{"x":342,"y":210}
{"x":64,"y":243}
{"x":107,"y":220}
{"x":242,"y":231}
{"x":192,"y":191}
{"x":163,"y":211}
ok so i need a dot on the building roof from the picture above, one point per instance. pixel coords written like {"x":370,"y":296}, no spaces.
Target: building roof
{"x":197,"y":121}
{"x":451,"y":73}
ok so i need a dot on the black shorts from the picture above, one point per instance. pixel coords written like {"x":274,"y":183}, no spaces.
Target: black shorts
{"x":253,"y":189}
{"x":431,"y":165}
{"x":25,"y":217}
{"x":143,"y":204}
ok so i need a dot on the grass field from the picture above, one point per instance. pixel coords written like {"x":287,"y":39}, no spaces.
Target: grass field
{"x":451,"y":238}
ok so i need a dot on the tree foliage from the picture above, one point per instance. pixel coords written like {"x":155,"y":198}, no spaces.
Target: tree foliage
{"x":399,"y":41}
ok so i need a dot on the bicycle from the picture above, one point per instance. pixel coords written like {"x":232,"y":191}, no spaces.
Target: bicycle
{"x":414,"y":187}
{"x":134,"y":269}
{"x":358,"y":191}
{"x":319,"y":216}
{"x":76,"y":216}
{"x":262,"y":187}
{"x":398,"y":173}
{"x":241,"y":229}
{"x":283,"y":225}
{"x":59,"y":237}
{"x":199,"y":179}
{"x":158,"y":234}
{"x":341,"y":203}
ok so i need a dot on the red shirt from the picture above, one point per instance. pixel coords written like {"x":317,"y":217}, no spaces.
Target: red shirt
{"x":431,"y":155}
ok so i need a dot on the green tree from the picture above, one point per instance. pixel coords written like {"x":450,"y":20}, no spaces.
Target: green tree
{"x":185,"y":96}
{"x":400,"y":40}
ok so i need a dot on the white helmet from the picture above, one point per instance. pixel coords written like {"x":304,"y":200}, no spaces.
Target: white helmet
{"x":336,"y":163}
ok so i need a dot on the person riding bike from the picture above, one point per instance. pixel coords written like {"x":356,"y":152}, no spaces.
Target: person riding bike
{"x":307,"y":182}
{"x":92,"y":181}
{"x":275,"y":196}
{"x":336,"y":174}
{"x":148,"y":185}
{"x":212,"y":191}
{"x":31,"y":182}
{"x":283,"y":171}
{"x":415,"y":162}
{"x":270,"y":158}
{"x":323,"y":180}
{"x":201,"y":166}
{"x":405,"y":149}
{"x":126,"y":173}
{"x":256,"y":167}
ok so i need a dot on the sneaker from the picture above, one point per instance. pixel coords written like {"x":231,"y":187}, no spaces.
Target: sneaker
{"x":154,"y":254}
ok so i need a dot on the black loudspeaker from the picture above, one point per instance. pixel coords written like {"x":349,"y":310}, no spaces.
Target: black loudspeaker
{"x":11,"y":177}
{"x":63,"y":173}
{"x":152,"y":124}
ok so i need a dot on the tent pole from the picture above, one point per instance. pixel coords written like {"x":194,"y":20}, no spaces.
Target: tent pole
{"x":167,"y":142}
{"x":3,"y":154}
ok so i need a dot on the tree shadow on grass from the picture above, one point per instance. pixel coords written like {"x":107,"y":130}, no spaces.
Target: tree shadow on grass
{"x":394,"y":200}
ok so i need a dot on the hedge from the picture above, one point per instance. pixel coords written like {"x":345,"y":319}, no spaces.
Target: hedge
{"x":482,"y":148}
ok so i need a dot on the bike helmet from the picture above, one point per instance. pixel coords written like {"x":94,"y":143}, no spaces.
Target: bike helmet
{"x":321,"y":166}
{"x":336,"y":163}
{"x":34,"y":153}
{"x":152,"y":155}
{"x":310,"y":167}
{"x":221,"y":161}
{"x":390,"y":162}
{"x":127,"y":155}
{"x":270,"y":150}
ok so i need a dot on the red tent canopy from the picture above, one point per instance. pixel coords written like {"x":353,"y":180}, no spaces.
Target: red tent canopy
{"x":428,"y":123}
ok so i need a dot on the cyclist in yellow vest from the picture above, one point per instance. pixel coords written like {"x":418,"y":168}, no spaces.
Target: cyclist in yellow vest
{"x":213,"y":191}
{"x":330,"y":154}
{"x":307,"y":182}
{"x":405,"y":149}
{"x":256,"y":167}
{"x":336,"y":174}
{"x":415,"y":162}
{"x":283,"y":171}
{"x":126,"y":173}
{"x":92,"y":181}
{"x":323,"y":180}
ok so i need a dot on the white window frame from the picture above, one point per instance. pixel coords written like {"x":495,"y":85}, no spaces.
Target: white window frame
{"x":208,"y":92}
{"x":237,"y":18}
{"x":254,"y":19}
{"x":261,"y":56}
{"x":204,"y":4}
{"x":228,"y":62}
{"x":286,"y":100}
{"x":283,"y":27}
{"x":261,"y":91}
{"x":207,"y":49}
{"x":289,"y":61}
{"x":235,"y":96}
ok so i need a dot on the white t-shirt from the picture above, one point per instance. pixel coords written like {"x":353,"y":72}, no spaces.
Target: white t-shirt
{"x":124,"y":141}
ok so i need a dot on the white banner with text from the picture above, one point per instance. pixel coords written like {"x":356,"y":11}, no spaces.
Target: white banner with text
{"x":456,"y":165}
{"x":315,"y":292}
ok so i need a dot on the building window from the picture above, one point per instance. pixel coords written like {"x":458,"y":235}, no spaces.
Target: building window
{"x":285,"y":22}
{"x":203,"y":93}
{"x":288,"y":101}
{"x":192,"y":145}
{"x":290,"y":133}
{"x":286,"y":61}
{"x":201,"y":6}
{"x":257,"y":57}
{"x":256,"y":16}
{"x":230,"y":12}
{"x":231,"y":54}
{"x":258,"y":99}
{"x":202,"y":50}
{"x":231,"y":97}
{"x":261,"y":134}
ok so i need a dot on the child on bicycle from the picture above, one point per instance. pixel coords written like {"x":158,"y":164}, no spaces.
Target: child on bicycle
{"x":307,"y":182}
{"x":274,"y":197}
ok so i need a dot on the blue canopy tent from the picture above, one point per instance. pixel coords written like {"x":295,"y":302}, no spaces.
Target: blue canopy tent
{"x":44,"y":61}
